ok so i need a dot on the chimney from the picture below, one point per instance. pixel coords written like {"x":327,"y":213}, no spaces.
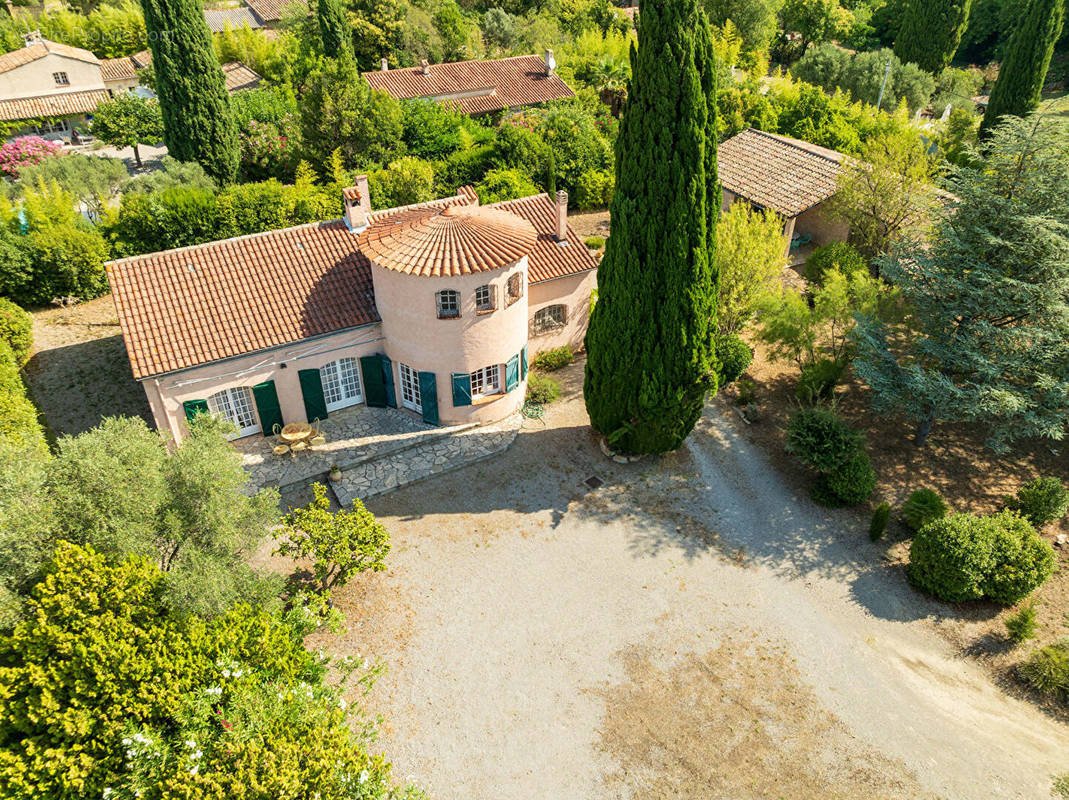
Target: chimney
{"x":384,"y":64}
{"x":357,"y":205}
{"x":551,"y":62}
{"x":425,"y":67}
{"x":32,"y":38}
{"x":562,"y":217}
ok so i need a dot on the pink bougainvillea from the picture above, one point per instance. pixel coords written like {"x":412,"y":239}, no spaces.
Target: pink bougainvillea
{"x":24,"y":151}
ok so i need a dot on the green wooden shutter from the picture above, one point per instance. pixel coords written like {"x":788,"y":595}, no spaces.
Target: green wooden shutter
{"x":512,"y":373}
{"x":523,"y":363}
{"x":428,"y":397}
{"x":315,"y":405}
{"x":267,"y":406}
{"x":374,"y":384}
{"x":461,"y":389}
{"x":194,"y":407}
{"x":387,"y":380}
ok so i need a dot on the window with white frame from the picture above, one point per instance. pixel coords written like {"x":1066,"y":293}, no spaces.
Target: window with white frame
{"x":550,"y":318}
{"x":410,"y":388}
{"x":486,"y":381}
{"x":341,"y":383}
{"x":515,"y":288}
{"x":448,"y":304}
{"x":236,"y":406}
{"x":484,"y":298}
{"x":61,"y":79}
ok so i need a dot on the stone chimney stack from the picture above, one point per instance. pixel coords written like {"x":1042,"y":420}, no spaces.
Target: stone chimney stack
{"x":551,"y":62}
{"x":357,"y":205}
{"x":384,"y":65}
{"x":425,"y":67}
{"x":562,"y":217}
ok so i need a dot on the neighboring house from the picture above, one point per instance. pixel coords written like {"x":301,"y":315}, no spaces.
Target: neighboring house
{"x":254,"y":13}
{"x":793,"y":178}
{"x":435,"y":308}
{"x":477,"y":87}
{"x":56,"y":88}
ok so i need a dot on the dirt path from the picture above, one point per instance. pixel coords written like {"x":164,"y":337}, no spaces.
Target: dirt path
{"x":689,"y":629}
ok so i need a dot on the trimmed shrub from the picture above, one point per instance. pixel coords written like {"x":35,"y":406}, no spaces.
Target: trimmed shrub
{"x":16,"y":328}
{"x":542,"y":389}
{"x":880,"y":517}
{"x":1021,"y":559}
{"x":834,"y":255}
{"x":18,"y":416}
{"x":818,"y":380}
{"x":550,"y":360}
{"x":595,"y":242}
{"x":1041,"y":501}
{"x":951,"y":557}
{"x":821,"y":438}
{"x":1022,"y":625}
{"x":1047,"y":670}
{"x":852,"y":481}
{"x":504,"y":184}
{"x":735,"y":357}
{"x":594,"y":189}
{"x":923,"y":506}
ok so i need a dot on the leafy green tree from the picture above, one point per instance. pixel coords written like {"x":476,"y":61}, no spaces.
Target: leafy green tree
{"x":334,"y":30}
{"x":128,"y":120}
{"x":378,"y":28}
{"x":198,"y":124}
{"x":931,"y":31}
{"x":93,"y":181}
{"x":815,"y":21}
{"x":504,"y":184}
{"x":405,"y":181}
{"x":341,"y":544}
{"x":754,"y":19}
{"x":650,"y":340}
{"x":430,"y":130}
{"x":1024,"y":67}
{"x":750,"y":254}
{"x":987,"y":293}
{"x":499,"y":29}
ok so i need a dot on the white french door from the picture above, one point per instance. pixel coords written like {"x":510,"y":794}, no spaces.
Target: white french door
{"x":237,"y":406}
{"x":341,"y":383}
{"x":409,"y":388}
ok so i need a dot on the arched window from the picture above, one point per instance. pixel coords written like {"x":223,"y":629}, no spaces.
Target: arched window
{"x":484,"y":298}
{"x":515,"y":288}
{"x":550,"y":318}
{"x":448,"y":304}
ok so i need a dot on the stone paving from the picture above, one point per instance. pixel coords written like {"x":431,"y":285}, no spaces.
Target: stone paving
{"x":460,"y":447}
{"x":377,"y":449}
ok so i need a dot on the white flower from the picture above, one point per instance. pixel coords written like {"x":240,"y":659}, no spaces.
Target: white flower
{"x":126,"y":740}
{"x":214,"y":691}
{"x":226,"y":673}
{"x":107,"y":793}
{"x":191,"y":744}
{"x":341,"y":703}
{"x":194,"y":769}
{"x":363,"y":776}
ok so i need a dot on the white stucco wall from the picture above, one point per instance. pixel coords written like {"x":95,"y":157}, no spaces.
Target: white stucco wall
{"x":35,"y":78}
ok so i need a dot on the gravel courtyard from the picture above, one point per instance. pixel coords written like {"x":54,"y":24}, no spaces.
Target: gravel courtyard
{"x":693,"y":627}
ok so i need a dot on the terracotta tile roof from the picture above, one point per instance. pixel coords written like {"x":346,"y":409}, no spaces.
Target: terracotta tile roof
{"x":52,"y":105}
{"x":32,"y":52}
{"x":273,"y":10}
{"x":118,"y":69}
{"x":219,"y":18}
{"x":142,"y":59}
{"x":240,"y":77}
{"x":497,"y":84}
{"x":550,"y":259}
{"x":776,"y":172}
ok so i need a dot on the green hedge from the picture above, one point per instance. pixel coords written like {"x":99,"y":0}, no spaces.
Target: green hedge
{"x":18,"y":416}
{"x":16,"y":328}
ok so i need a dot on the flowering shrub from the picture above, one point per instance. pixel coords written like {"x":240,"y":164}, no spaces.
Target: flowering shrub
{"x":268,"y":150}
{"x":24,"y":151}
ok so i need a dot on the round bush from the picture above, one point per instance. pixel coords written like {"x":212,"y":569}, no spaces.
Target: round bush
{"x":1047,"y":669}
{"x":1041,"y":501}
{"x":951,"y":557}
{"x":550,"y":360}
{"x":834,"y":255}
{"x":923,"y":506}
{"x":853,"y":481}
{"x":818,"y":380}
{"x":734,"y":355}
{"x":820,"y":438}
{"x":542,"y":389}
{"x":1021,"y":560}
{"x":16,"y":328}
{"x":878,"y":524}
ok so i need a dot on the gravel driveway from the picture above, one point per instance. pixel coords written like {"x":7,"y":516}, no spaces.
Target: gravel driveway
{"x":691,"y":628}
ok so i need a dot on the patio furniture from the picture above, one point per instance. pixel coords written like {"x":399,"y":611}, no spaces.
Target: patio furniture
{"x":800,"y":239}
{"x":297,"y":447}
{"x":281,"y":449}
{"x":296,"y":432}
{"x":534,"y":411}
{"x":316,"y":441}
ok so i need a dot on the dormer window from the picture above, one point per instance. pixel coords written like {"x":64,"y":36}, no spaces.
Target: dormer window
{"x":61,"y":79}
{"x":448,"y":304}
{"x":514,"y":288}
{"x":484,"y":299}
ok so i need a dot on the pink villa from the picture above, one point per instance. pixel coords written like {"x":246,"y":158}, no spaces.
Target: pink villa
{"x":435,"y":309}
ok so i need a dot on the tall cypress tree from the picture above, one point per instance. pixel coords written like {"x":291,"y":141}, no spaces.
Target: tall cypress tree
{"x":198,"y":124}
{"x":650,"y":346}
{"x":1024,"y":69}
{"x":931,"y":32}
{"x":334,"y":29}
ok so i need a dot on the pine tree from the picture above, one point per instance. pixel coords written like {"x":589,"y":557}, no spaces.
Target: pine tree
{"x":1024,"y":69}
{"x":650,"y":356}
{"x":931,"y":32}
{"x":334,"y":29}
{"x":198,"y":123}
{"x":989,"y":293}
